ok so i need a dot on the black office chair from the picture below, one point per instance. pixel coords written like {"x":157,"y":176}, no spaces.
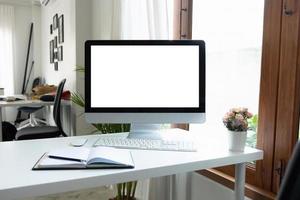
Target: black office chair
{"x":30,"y":110}
{"x":290,"y":186}
{"x":39,"y":132}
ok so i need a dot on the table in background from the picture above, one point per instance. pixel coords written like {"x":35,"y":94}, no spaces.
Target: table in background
{"x":17,"y":159}
{"x":24,"y":102}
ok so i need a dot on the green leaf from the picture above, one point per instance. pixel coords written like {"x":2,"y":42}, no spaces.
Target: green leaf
{"x":80,"y":69}
{"x":119,"y":188}
{"x":252,"y":122}
{"x":134,"y":188}
{"x":78,"y":99}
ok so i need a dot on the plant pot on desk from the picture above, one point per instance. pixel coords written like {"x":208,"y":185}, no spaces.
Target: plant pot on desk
{"x":237,"y":140}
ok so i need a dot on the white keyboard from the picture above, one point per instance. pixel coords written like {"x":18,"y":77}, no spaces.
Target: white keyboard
{"x":162,"y":145}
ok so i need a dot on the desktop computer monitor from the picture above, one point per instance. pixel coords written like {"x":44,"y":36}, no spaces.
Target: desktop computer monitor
{"x":145,"y":83}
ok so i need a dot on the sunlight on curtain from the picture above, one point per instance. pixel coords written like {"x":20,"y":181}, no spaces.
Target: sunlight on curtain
{"x":6,"y":48}
{"x":6,"y":53}
{"x":140,"y":19}
{"x":233,"y":32}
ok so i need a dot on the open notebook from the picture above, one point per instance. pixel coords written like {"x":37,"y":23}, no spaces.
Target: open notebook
{"x":85,"y":158}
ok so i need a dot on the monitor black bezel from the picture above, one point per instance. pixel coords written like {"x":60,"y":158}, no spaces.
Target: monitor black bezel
{"x":89,"y":109}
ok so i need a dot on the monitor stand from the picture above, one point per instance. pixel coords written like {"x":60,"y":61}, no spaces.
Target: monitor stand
{"x":145,"y":131}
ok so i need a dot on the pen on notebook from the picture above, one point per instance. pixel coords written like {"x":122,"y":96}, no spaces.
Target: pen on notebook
{"x":64,"y":158}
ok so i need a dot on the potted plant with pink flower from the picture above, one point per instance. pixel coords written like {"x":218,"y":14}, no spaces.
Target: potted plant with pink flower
{"x":236,"y":121}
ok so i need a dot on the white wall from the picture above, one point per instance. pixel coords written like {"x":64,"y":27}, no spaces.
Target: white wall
{"x":23,"y":19}
{"x":93,"y":21}
{"x":36,"y":46}
{"x":83,"y":33}
{"x":66,"y":68}
{"x":102,"y":19}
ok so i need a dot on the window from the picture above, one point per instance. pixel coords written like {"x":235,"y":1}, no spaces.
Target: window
{"x":6,"y":53}
{"x":6,"y":48}
{"x":233,"y":55}
{"x":279,"y":85}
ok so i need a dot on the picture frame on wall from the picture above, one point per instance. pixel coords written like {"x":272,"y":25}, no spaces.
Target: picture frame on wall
{"x":55,"y":56}
{"x":61,"y":29}
{"x":55,"y":21}
{"x":51,"y":29}
{"x":60,"y":53}
{"x":51,"y":51}
{"x":55,"y":42}
{"x":56,"y":66}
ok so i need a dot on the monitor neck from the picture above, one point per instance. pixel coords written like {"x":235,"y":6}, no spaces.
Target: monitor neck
{"x":145,"y":131}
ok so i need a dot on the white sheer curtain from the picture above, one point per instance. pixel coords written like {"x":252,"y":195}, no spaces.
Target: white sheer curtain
{"x":140,"y":19}
{"x":6,"y":48}
{"x":7,"y":23}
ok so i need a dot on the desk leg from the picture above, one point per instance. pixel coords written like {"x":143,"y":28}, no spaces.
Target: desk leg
{"x":1,"y":138}
{"x":239,"y":186}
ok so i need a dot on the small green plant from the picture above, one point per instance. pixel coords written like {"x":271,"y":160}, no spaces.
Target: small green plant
{"x":103,"y":128}
{"x":252,"y":123}
{"x":252,"y":133}
{"x":126,"y":191}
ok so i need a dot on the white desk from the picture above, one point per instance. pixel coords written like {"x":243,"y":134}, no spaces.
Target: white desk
{"x":17,"y":180}
{"x":23,"y":103}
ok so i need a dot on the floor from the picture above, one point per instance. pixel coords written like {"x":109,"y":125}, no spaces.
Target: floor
{"x":100,"y":193}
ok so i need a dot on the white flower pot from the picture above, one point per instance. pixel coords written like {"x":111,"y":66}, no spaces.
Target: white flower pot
{"x":237,"y":140}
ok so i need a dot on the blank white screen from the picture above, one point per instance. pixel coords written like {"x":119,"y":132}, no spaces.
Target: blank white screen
{"x":145,"y":76}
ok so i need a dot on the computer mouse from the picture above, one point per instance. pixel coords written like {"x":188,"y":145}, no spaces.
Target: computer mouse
{"x":78,"y":142}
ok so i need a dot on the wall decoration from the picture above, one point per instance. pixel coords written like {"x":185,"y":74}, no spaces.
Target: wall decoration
{"x":56,"y":66}
{"x":55,"y":56}
{"x":60,"y":54}
{"x":55,"y":42}
{"x":51,"y":29}
{"x":51,"y":51}
{"x":55,"y":22}
{"x":57,"y":38}
{"x":61,"y":29}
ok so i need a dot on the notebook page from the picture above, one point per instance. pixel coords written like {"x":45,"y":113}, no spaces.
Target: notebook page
{"x":80,"y":153}
{"x":51,"y":163}
{"x":110,"y":155}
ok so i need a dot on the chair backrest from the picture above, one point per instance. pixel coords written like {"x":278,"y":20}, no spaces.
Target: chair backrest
{"x":56,"y":107}
{"x":290,"y":185}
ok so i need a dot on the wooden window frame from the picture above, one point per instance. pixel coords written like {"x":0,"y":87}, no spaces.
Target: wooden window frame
{"x":183,"y":16}
{"x":288,"y":106}
{"x":280,"y":78}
